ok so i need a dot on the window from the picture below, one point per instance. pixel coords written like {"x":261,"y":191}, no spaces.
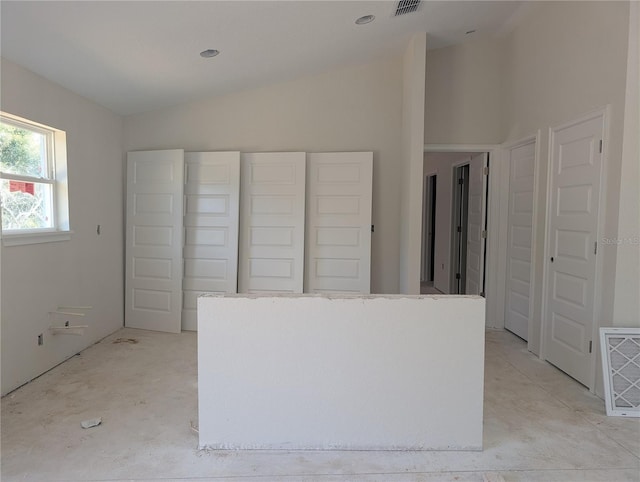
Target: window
{"x":33,"y":185}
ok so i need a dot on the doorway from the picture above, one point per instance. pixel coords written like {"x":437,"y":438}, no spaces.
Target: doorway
{"x":449,"y":205}
{"x":470,"y":226}
{"x":429,"y":231}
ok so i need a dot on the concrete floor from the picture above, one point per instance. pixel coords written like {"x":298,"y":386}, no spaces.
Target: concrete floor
{"x":427,"y":288}
{"x":539,"y":426}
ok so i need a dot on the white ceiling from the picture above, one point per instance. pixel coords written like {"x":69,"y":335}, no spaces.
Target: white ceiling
{"x":138,"y":56}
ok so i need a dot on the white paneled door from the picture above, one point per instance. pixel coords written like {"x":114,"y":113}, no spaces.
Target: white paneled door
{"x":338,"y":232}
{"x":519,"y":238}
{"x":153,"y":297}
{"x":272,"y":211}
{"x":476,"y":224}
{"x":211,"y":213}
{"x":576,"y":166}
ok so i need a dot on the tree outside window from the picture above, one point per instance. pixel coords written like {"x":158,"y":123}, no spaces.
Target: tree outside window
{"x":27,"y":177}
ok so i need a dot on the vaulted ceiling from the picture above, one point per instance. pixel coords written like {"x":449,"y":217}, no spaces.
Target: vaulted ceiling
{"x":135,"y":56}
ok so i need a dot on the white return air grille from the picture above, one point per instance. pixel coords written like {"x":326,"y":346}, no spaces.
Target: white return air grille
{"x":621,"y":368}
{"x":407,"y":6}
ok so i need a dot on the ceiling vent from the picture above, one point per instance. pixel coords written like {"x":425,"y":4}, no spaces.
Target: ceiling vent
{"x":407,"y":6}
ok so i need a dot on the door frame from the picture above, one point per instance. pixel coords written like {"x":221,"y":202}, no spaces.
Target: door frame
{"x":494,"y":299}
{"x":459,"y":213}
{"x":427,"y":205}
{"x":507,"y":147}
{"x":605,"y":113}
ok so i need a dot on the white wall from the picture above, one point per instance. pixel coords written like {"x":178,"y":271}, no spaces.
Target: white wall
{"x":88,"y":269}
{"x":413,"y":101}
{"x":464,"y":93}
{"x":310,"y":372}
{"x":626,"y":306}
{"x":357,"y":108}
{"x":564,"y":60}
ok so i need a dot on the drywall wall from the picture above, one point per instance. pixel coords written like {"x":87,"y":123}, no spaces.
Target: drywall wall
{"x":313,"y":372}
{"x":563,"y":60}
{"x":88,"y":269}
{"x":626,"y":306}
{"x":413,"y":101}
{"x":464,"y":93}
{"x":357,"y":108}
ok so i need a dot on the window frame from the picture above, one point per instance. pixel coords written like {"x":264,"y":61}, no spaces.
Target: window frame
{"x":56,"y":172}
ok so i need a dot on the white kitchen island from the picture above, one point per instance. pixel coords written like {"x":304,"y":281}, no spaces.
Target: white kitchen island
{"x":379,"y":372}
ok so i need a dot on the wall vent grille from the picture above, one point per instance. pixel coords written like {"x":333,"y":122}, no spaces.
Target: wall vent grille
{"x":621,"y":369}
{"x":407,"y":6}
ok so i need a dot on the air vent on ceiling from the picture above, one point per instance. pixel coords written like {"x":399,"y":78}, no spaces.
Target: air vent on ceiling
{"x":407,"y":6}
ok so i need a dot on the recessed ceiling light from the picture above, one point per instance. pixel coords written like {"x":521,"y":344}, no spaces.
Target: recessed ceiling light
{"x":207,"y":54}
{"x":365,"y":19}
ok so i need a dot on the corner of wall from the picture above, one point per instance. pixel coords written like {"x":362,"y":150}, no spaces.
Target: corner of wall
{"x":413,"y":116}
{"x":626,"y":304}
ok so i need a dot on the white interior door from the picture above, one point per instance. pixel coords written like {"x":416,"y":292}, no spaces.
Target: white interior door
{"x":153,"y":297}
{"x":338,"y":233}
{"x":576,"y":165}
{"x":476,"y":224}
{"x":272,"y":222}
{"x":519,"y":239}
{"x":211,"y":213}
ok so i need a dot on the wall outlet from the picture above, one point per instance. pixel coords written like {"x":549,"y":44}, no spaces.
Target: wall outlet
{"x":40,"y":340}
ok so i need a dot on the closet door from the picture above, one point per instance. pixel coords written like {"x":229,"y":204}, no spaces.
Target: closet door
{"x":520,"y":238}
{"x":338,"y":234}
{"x":272,"y":222}
{"x":153,"y":285}
{"x":212,"y":190}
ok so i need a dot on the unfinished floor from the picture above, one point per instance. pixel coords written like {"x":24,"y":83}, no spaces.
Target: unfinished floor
{"x":539,"y":425}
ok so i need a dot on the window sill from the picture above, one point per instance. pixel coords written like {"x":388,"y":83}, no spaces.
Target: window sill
{"x":35,"y":238}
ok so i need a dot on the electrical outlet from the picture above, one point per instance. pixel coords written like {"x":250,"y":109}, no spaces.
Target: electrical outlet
{"x":40,"y":340}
